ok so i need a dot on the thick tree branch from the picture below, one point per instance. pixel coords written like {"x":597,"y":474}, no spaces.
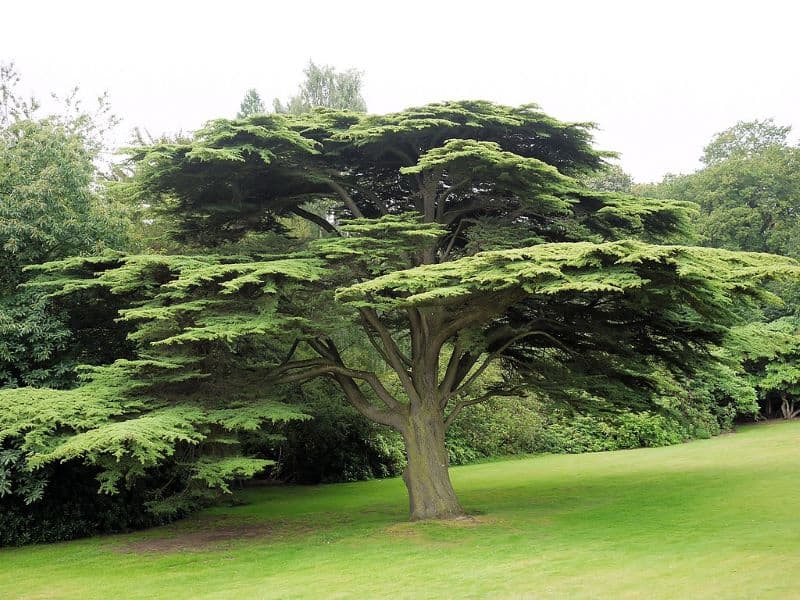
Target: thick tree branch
{"x":316,"y":368}
{"x":427,"y":187}
{"x":396,"y":358}
{"x":289,"y":355}
{"x":465,"y":364}
{"x":473,"y":401}
{"x":371,"y":337}
{"x":356,"y":397}
{"x":442,"y":200}
{"x":346,"y":198}
{"x":451,"y":215}
{"x":316,"y":219}
{"x":489,"y":359}
{"x":297,"y":364}
{"x":453,"y":239}
{"x":448,"y":380}
{"x":417,"y":337}
{"x":376,"y":200}
{"x":448,"y":330}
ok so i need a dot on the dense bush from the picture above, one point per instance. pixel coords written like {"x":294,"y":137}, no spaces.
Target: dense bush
{"x":498,"y":427}
{"x":529,"y":425}
{"x":336,"y":444}
{"x":72,"y":508}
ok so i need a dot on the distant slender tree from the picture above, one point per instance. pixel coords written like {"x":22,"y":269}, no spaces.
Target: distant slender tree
{"x":252,"y":104}
{"x":325,"y":87}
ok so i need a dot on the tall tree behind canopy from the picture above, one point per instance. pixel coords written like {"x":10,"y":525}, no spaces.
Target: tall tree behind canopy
{"x":744,"y":140}
{"x":325,"y":87}
{"x":748,"y":192}
{"x":49,"y":209}
{"x":252,"y":104}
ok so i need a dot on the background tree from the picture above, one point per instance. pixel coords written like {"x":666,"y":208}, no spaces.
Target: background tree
{"x":746,"y":139}
{"x":612,"y":178}
{"x":50,"y":208}
{"x":749,"y":191}
{"x":325,"y":87}
{"x":471,"y":249}
{"x":54,"y":204}
{"x":770,"y":354}
{"x":252,"y":104}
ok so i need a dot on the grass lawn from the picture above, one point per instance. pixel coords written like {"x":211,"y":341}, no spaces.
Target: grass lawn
{"x":714,"y":518}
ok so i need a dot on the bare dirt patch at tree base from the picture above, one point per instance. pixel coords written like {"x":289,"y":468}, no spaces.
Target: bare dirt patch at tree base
{"x":416,"y":528}
{"x":213,"y":533}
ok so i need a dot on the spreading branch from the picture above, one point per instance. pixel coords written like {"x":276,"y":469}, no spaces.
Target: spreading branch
{"x":346,"y":198}
{"x":503,"y":347}
{"x":397,"y":360}
{"x":316,"y":219}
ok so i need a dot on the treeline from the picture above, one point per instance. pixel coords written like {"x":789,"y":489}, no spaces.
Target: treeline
{"x":126,"y":373}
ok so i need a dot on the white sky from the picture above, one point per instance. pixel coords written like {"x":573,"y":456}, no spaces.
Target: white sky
{"x":659,"y":78}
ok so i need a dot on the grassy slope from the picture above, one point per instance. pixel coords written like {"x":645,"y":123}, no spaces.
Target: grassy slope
{"x":715,"y":518}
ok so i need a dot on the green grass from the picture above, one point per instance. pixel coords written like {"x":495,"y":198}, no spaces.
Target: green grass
{"x":714,"y":518}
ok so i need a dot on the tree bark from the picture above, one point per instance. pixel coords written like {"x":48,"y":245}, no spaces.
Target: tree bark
{"x":430,"y":492}
{"x":787,"y":407}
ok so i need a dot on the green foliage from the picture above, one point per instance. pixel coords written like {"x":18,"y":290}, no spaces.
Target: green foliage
{"x":336,"y":444}
{"x":252,"y":104}
{"x":31,"y":337}
{"x":746,"y":139}
{"x":747,"y":192}
{"x":462,"y":249}
{"x":190,"y":180}
{"x":530,"y":425}
{"x":50,"y":208}
{"x":499,"y":427}
{"x":770,"y":353}
{"x":325,"y":87}
{"x":70,"y":507}
{"x":131,"y":417}
{"x":586,"y":433}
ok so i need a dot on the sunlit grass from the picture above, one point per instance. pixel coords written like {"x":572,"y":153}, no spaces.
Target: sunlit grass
{"x":714,"y":518}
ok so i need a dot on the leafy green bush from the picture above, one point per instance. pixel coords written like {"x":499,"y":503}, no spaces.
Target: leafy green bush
{"x":498,"y":427}
{"x":72,"y":508}
{"x":576,"y":434}
{"x":529,"y":425}
{"x":643,"y":429}
{"x":336,"y":444}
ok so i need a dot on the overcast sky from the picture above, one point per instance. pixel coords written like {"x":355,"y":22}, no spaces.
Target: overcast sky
{"x":659,"y":78}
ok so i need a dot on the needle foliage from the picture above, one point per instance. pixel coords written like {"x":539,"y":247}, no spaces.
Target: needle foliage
{"x":460,"y":246}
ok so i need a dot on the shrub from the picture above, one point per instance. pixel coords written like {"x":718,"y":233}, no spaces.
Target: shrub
{"x":643,"y":429}
{"x":336,"y":444}
{"x":498,"y":427}
{"x":71,"y":507}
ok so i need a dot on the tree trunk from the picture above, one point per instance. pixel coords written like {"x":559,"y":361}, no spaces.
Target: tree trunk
{"x":785,"y":410}
{"x":787,"y":407}
{"x":430,"y":492}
